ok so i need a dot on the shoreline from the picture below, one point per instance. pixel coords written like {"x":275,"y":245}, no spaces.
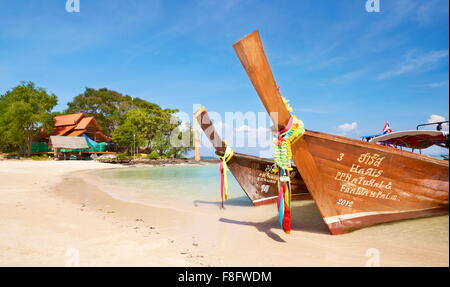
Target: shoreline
{"x":157,"y":162}
{"x":45,"y":211}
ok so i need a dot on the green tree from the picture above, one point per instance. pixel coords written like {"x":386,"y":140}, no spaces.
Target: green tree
{"x":134,"y":130}
{"x":161,"y":123}
{"x":160,"y":144}
{"x":125,"y":118}
{"x":110,"y":109}
{"x":181,"y":141}
{"x":23,"y":112}
{"x":107,"y":106}
{"x":160,"y":133}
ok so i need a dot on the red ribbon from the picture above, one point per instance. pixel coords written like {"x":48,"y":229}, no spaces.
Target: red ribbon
{"x":221,"y":182}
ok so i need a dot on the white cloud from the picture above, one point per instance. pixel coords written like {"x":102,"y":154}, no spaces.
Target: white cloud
{"x":243,"y":128}
{"x":348,"y":77}
{"x":347,"y":127}
{"x":416,"y":62}
{"x":253,"y":136}
{"x":431,"y":10}
{"x":437,"y":118}
{"x":437,"y":84}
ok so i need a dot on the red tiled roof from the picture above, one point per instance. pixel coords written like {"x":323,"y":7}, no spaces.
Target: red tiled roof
{"x":76,"y":133}
{"x":60,"y":131}
{"x":103,"y":136}
{"x":75,"y":125}
{"x":83,"y":124}
{"x":66,"y":120}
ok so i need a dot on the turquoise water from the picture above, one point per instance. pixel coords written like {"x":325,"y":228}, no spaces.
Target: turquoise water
{"x":192,"y":184}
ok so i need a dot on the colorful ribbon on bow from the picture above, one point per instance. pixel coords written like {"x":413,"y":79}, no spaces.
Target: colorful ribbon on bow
{"x":283,"y":159}
{"x":224,"y":172}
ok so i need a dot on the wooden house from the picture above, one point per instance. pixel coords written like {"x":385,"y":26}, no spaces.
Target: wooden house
{"x":78,"y":124}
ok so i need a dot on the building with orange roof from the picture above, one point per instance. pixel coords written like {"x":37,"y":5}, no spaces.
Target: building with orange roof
{"x":76,"y":125}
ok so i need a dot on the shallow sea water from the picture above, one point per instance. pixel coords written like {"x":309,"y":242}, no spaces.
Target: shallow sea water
{"x":163,"y":185}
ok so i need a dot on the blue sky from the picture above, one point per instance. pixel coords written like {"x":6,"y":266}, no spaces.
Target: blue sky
{"x":344,"y":70}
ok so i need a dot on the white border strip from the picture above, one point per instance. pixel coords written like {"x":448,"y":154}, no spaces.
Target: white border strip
{"x":272,"y":197}
{"x":337,"y":218}
{"x":265,"y":198}
{"x":407,"y":133}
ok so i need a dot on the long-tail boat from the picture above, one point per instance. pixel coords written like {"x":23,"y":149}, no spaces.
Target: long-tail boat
{"x":419,"y":139}
{"x":252,"y":173}
{"x":413,"y":139}
{"x":353,"y":183}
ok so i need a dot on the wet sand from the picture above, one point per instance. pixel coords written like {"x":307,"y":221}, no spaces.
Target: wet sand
{"x":54,"y":214}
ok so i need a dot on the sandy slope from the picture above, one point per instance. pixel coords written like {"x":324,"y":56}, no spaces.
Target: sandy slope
{"x":49,"y":217}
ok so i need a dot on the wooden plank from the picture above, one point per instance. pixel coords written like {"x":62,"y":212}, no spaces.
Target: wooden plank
{"x":196,"y":136}
{"x":210,"y":131}
{"x":249,"y":50}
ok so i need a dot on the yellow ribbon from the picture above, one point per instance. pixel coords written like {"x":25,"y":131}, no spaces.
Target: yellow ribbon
{"x":225,"y":158}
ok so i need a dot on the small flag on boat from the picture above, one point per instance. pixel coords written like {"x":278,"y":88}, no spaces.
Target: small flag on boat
{"x":386,"y":128}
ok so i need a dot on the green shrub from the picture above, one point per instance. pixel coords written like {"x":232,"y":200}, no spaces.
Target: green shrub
{"x":39,"y":157}
{"x":153,"y":155}
{"x":121,"y":156}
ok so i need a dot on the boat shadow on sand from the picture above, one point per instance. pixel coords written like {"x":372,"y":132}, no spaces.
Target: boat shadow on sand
{"x":305,"y":218}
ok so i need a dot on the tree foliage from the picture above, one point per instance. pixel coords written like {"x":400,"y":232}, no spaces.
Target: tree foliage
{"x":133,"y":131}
{"x":159,"y":133}
{"x":181,"y":141}
{"x":23,"y":112}
{"x":107,"y":106}
{"x":111,"y":108}
{"x":130,"y":121}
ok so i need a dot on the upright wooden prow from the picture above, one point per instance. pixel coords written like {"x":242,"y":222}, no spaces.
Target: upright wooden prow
{"x":208,"y":128}
{"x":196,"y":139}
{"x":251,"y":54}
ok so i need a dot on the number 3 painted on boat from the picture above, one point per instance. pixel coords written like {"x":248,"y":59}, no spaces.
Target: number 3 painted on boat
{"x":341,"y":156}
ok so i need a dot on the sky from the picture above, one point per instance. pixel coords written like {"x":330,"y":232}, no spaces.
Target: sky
{"x":344,"y":70}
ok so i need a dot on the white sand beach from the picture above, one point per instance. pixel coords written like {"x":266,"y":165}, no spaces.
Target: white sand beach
{"x":51,"y":214}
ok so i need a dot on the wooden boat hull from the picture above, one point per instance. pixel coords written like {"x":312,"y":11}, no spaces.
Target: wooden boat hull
{"x":353,"y":183}
{"x":256,"y":179}
{"x":357,"y":184}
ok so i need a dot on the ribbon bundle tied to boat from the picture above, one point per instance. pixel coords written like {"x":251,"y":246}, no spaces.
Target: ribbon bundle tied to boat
{"x":283,"y":159}
{"x":224,"y":172}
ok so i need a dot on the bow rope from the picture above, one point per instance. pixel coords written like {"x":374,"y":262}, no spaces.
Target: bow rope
{"x":224,"y":172}
{"x":282,"y":153}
